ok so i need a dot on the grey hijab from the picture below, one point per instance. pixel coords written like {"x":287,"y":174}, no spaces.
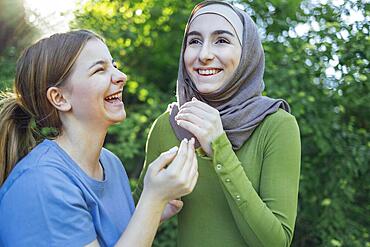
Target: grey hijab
{"x":240,"y":102}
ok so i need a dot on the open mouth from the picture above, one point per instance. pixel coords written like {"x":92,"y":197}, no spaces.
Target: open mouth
{"x":208,"y":72}
{"x":114,"y":98}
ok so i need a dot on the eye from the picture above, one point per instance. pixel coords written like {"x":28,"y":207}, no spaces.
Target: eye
{"x":222,"y":41}
{"x":99,"y":70}
{"x":194,"y":42}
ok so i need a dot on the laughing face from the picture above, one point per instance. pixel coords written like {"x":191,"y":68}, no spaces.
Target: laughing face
{"x":94,"y":88}
{"x":212,"y":52}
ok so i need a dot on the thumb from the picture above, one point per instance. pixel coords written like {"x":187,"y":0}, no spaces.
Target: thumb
{"x":163,"y":160}
{"x":177,"y":204}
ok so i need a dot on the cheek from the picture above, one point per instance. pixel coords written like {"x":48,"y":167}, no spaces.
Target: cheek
{"x":81,"y":93}
{"x":236,"y":57}
{"x":189,"y":56}
{"x":233,"y":63}
{"x":85,"y":96}
{"x":231,"y":58}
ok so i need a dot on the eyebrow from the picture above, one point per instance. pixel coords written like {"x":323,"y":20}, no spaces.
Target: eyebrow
{"x":102,"y":62}
{"x":218,"y":32}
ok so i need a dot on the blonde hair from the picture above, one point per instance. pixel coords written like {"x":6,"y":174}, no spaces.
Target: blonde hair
{"x":42,"y":65}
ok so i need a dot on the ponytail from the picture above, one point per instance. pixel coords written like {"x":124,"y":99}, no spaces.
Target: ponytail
{"x":16,"y":135}
{"x":46,"y":63}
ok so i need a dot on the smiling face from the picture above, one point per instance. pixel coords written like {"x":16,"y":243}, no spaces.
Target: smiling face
{"x":212,"y":52}
{"x":94,"y":88}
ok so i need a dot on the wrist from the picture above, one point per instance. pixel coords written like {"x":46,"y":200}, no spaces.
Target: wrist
{"x":214,"y":137}
{"x":154,"y":200}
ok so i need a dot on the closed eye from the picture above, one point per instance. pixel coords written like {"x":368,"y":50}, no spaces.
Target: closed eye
{"x":98,"y":70}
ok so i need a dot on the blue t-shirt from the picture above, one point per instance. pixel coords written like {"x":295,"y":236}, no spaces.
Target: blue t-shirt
{"x":48,"y":200}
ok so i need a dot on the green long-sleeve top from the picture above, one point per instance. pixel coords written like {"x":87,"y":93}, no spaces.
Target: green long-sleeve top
{"x":246,"y":197}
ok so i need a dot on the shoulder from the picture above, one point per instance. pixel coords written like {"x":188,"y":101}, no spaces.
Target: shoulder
{"x":110,"y":156}
{"x":42,"y":181}
{"x":280,"y":131}
{"x":163,"y":119}
{"x":279,"y":116}
{"x":279,"y":127}
{"x":280,"y":120}
{"x":48,"y":198}
{"x":112,"y":162}
{"x":41,"y":166}
{"x":161,"y":124}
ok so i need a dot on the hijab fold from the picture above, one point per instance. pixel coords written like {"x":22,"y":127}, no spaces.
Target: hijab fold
{"x":240,"y":102}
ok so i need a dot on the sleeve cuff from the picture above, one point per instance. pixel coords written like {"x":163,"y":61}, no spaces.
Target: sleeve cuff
{"x":203,"y":155}
{"x":223,"y":154}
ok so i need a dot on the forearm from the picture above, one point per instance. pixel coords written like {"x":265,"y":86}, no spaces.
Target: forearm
{"x":139,"y":187}
{"x":144,"y":223}
{"x":152,"y":151}
{"x":258,"y":224}
{"x":265,"y":218}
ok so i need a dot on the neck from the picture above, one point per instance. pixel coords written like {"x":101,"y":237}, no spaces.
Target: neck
{"x":84,"y":145}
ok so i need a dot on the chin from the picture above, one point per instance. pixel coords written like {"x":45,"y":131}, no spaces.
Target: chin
{"x":121,"y":118}
{"x":117,"y":118}
{"x":206,"y":89}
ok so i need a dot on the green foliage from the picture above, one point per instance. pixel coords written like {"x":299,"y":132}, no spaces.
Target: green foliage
{"x":145,"y":38}
{"x":323,"y":72}
{"x":7,"y":68}
{"x":15,"y":34}
{"x":166,"y":234}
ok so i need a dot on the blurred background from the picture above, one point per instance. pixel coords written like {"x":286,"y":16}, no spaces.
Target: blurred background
{"x":317,"y":58}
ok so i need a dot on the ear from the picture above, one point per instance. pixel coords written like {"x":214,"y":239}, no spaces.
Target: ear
{"x":57,"y":99}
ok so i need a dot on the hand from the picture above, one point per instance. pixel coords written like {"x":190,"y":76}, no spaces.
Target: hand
{"x":172,"y":208}
{"x":163,"y":184}
{"x":202,"y":120}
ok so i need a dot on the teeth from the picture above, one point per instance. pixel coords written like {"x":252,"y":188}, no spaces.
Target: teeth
{"x":208,"y":71}
{"x":114,"y":96}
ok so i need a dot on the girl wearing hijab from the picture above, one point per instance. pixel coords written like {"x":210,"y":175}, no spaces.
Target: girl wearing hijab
{"x":248,"y":144}
{"x":69,"y":190}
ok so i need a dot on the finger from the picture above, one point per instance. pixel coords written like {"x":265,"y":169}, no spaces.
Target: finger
{"x":194,"y":169}
{"x":192,"y":128}
{"x":189,"y":161}
{"x":163,"y":160}
{"x":198,"y":104}
{"x":192,"y":107}
{"x":209,"y":114}
{"x":178,"y":162}
{"x":196,"y":111}
{"x":172,"y":208}
{"x":194,"y":181}
{"x":178,"y":204}
{"x":195,"y":119}
{"x":194,"y":166}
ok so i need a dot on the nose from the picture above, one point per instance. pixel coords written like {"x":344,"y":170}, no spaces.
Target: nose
{"x":205,"y":53}
{"x":119,"y":77}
